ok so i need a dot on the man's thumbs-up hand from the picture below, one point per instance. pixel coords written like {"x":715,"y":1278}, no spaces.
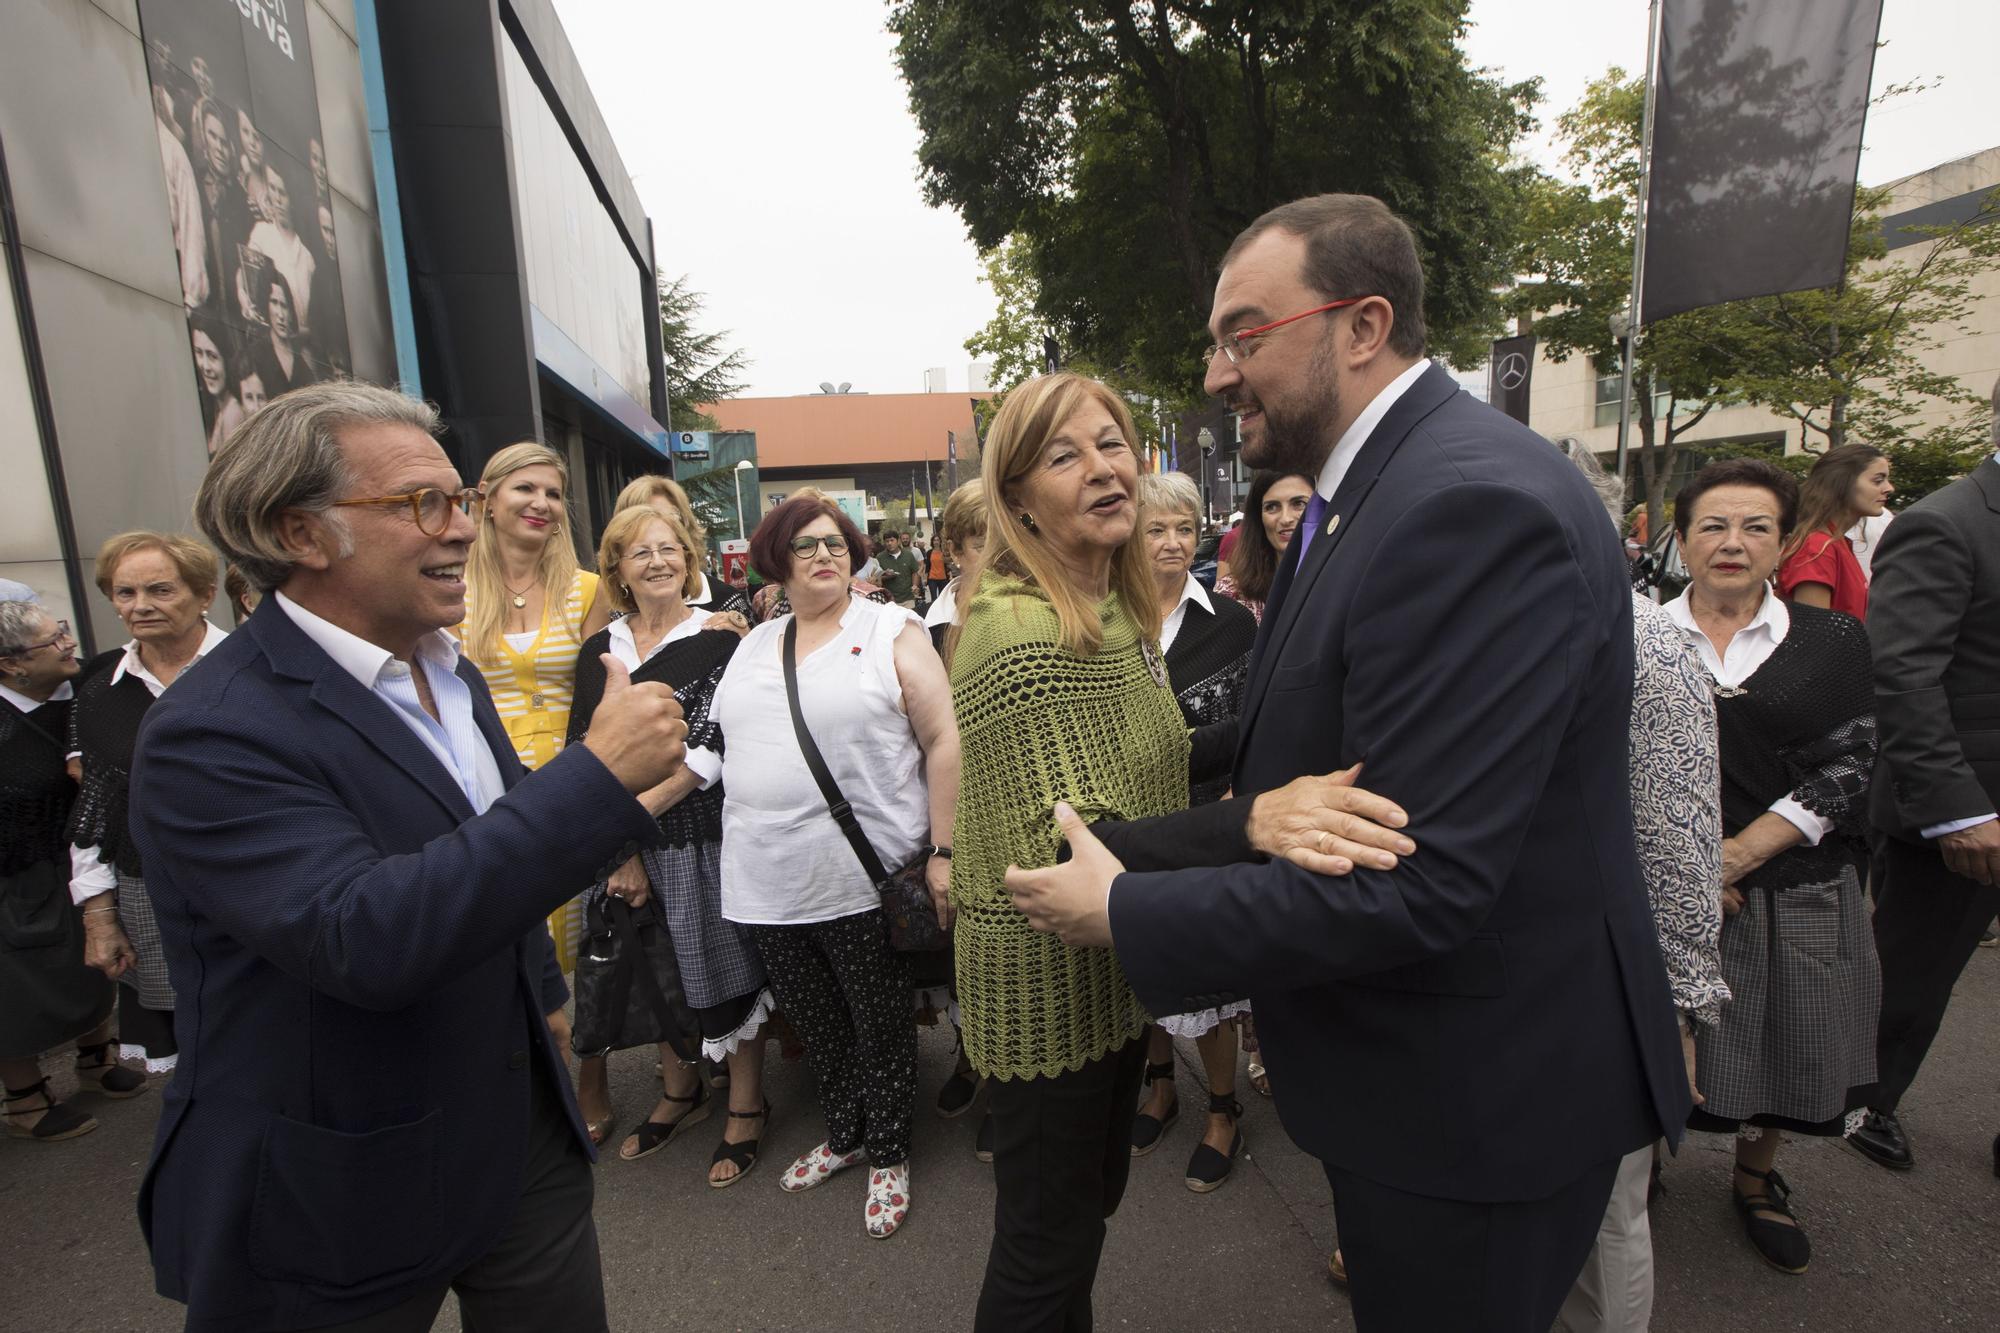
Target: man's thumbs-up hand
{"x":637,"y":731}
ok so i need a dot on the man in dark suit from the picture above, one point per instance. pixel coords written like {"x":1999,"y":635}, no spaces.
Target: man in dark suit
{"x":350,"y":872}
{"x":1934,"y":623}
{"x":1471,"y":1040}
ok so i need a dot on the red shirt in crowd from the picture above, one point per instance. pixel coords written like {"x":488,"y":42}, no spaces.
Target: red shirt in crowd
{"x":1827,"y":558}
{"x":1227,"y":544}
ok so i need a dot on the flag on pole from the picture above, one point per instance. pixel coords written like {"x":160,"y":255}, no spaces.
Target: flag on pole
{"x":1757,"y":119}
{"x":1509,"y":374}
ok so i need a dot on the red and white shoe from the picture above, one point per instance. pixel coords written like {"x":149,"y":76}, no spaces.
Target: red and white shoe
{"x":813,"y":1168}
{"x":888,"y":1200}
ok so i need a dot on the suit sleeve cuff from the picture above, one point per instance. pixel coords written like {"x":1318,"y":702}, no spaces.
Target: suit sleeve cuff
{"x":1957,"y":825}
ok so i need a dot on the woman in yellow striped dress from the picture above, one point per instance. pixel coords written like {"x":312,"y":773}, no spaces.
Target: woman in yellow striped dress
{"x":528,"y":609}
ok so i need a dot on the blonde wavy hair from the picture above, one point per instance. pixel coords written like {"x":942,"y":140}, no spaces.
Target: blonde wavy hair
{"x":620,"y":533}
{"x":644,"y":490}
{"x":485,"y":586}
{"x":1034,"y":412}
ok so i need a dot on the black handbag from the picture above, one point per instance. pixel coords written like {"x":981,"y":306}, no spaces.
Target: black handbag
{"x":628,"y":986}
{"x":907,"y":909}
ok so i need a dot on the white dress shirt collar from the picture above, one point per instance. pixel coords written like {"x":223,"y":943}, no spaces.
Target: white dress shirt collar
{"x":626,"y":648}
{"x":1748,"y":649}
{"x":131,"y":665}
{"x":27,"y":705}
{"x":1191,"y":591}
{"x":1364,"y":425}
{"x":358,"y":657}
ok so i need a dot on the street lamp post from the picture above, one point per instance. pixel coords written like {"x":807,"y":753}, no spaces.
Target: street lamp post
{"x":736,"y":488}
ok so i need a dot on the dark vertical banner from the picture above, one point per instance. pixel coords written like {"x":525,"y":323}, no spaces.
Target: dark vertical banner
{"x":1758,"y":111}
{"x":1510,"y":375}
{"x":237,"y":113}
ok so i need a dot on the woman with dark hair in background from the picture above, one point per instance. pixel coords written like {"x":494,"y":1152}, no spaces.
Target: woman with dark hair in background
{"x":214,"y":379}
{"x":872,"y":695}
{"x":1272,"y":510}
{"x":48,"y":995}
{"x":1818,"y":566}
{"x":1794,"y":1048}
{"x":280,"y":358}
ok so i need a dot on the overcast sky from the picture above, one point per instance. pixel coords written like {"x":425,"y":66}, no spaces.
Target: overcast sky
{"x":772,"y":144}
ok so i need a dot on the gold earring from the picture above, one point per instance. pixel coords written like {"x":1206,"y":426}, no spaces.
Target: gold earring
{"x":1028,"y":521}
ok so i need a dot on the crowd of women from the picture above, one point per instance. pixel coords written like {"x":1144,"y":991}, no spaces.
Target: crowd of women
{"x":847,"y":760}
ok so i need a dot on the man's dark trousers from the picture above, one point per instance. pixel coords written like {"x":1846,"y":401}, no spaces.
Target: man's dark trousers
{"x":1927,"y":923}
{"x":543,"y":1272}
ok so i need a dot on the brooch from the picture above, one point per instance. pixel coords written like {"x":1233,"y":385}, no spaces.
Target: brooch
{"x":1155,"y":664}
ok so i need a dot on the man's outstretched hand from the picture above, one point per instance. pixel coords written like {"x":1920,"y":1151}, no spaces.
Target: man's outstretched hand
{"x":1072,"y":900}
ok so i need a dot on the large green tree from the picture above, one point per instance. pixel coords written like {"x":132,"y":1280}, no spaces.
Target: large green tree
{"x":1125,"y":143}
{"x":701,"y":367}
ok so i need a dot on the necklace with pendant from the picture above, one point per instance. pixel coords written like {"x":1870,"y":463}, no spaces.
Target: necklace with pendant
{"x":520,"y":598}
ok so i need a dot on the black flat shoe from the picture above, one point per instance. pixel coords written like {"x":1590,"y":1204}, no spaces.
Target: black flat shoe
{"x":955,"y":1098}
{"x":1147,"y":1130}
{"x":59,"y":1120}
{"x":1207,"y":1169}
{"x":1785,"y":1248}
{"x":654,"y":1135}
{"x":743,"y":1154}
{"x":97,"y":1068}
{"x":1882,"y":1141}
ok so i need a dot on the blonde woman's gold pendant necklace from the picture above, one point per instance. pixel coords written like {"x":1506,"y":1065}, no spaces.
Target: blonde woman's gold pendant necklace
{"x":520,"y":598}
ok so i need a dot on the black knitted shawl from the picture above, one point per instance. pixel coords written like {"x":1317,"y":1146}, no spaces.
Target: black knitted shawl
{"x":693,"y":667}
{"x":35,"y":791}
{"x":1803,"y":726}
{"x":1209,"y":666}
{"x":104,"y":728}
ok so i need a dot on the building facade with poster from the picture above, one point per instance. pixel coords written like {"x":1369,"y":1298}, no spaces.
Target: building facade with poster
{"x":208,"y":202}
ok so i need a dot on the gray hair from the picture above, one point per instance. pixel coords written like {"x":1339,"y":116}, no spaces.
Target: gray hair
{"x":19,"y":623}
{"x":1610,"y":490}
{"x":288,"y":456}
{"x":1174,"y":492}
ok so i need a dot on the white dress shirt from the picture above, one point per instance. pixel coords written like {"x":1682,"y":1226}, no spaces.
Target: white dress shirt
{"x":1170,"y":628}
{"x":453,"y":735}
{"x":89,"y":876}
{"x":944,"y":607}
{"x":1356,"y":435}
{"x":1748,"y":649}
{"x":702,"y":762}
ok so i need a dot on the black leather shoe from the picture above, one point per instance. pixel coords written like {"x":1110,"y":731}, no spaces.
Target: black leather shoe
{"x":1882,"y":1141}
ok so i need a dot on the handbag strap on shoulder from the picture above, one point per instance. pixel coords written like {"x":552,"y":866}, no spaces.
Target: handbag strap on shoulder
{"x":836,"y":804}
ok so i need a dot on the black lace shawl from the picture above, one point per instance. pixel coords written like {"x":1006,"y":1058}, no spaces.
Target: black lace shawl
{"x":1804,"y":727}
{"x":104,"y":727}
{"x":693,"y":666}
{"x":35,"y":791}
{"x":1209,"y":666}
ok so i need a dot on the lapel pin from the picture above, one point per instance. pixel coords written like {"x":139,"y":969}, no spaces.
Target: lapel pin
{"x":1331,"y":524}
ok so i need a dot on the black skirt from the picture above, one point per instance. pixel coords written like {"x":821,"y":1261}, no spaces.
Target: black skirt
{"x":47,"y":994}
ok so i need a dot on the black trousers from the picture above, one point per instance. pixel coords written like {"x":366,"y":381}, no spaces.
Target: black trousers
{"x":1421,"y":1265}
{"x":1927,"y":923}
{"x":1062,"y":1148}
{"x":543,"y":1272}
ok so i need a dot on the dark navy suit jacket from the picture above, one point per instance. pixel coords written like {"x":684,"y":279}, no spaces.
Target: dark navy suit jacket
{"x":1492,"y":1017}
{"x":361,"y":971}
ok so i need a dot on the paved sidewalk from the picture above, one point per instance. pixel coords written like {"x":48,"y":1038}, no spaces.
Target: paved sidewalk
{"x":1892,"y":1252}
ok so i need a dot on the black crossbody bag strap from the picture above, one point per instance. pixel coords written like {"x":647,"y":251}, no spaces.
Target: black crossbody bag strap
{"x":632,"y":966}
{"x":836,"y":804}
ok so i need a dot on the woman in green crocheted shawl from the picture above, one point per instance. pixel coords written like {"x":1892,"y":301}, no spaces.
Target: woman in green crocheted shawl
{"x":1061,"y":694}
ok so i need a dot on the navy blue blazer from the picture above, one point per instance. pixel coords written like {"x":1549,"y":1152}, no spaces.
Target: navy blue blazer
{"x":359,"y":968}
{"x":1492,"y":1017}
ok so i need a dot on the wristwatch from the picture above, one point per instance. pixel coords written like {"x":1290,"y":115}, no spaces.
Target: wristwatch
{"x":934,"y":850}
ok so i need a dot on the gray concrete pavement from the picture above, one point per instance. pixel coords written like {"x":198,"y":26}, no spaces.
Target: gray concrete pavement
{"x":1892,"y":1252}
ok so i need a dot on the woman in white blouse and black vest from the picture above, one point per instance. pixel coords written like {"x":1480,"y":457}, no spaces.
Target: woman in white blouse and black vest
{"x":876,"y":702}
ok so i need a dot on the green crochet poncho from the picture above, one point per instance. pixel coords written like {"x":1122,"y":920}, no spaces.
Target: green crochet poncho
{"x":1038,"y":724}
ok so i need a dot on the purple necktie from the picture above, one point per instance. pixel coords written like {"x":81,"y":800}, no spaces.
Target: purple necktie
{"x":1309,"y":525}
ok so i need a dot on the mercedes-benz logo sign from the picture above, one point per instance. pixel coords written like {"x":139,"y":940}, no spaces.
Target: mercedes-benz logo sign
{"x":1512,"y":370}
